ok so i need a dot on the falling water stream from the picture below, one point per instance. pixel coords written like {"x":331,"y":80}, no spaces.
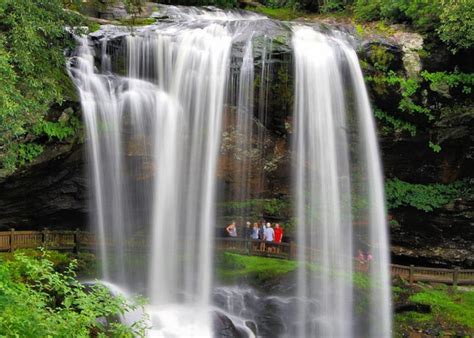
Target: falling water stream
{"x":331,"y":166}
{"x":155,"y":112}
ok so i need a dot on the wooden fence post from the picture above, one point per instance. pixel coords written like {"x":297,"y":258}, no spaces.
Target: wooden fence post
{"x":292,"y":254}
{"x":455,"y":276}
{"x":12,"y":240}
{"x":44,"y":237}
{"x":411,"y":275}
{"x":76,"y":241}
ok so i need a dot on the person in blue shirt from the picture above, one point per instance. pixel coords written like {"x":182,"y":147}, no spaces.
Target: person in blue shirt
{"x":255,"y":231}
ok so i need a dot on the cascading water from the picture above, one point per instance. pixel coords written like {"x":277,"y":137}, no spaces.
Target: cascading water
{"x":328,"y":175}
{"x":185,"y":124}
{"x":153,"y":140}
{"x":187,"y":146}
{"x":153,"y":144}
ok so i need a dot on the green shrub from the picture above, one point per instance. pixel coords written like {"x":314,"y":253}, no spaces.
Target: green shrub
{"x":284,"y":14}
{"x":456,"y":26}
{"x":453,"y":21}
{"x":367,"y":10}
{"x":450,"y":80}
{"x":37,"y":301}
{"x":254,"y":208}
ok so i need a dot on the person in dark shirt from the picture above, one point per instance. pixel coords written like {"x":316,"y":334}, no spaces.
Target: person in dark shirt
{"x":247,"y":231}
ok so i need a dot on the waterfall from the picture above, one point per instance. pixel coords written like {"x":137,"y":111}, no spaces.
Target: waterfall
{"x":333,"y":166}
{"x":153,"y":140}
{"x":156,"y":102}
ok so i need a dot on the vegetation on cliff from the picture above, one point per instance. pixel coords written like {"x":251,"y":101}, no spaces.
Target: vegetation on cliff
{"x":33,"y":78}
{"x":424,"y":197}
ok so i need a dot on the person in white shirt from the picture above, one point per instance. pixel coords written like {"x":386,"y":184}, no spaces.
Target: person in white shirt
{"x":269,"y":234}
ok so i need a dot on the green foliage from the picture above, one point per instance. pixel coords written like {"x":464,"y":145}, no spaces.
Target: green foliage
{"x":422,"y":14}
{"x":450,"y":314}
{"x":60,"y":130}
{"x":393,"y":124}
{"x":218,"y":3}
{"x":137,"y":21}
{"x":277,"y":3}
{"x":284,"y":13}
{"x":438,"y":80}
{"x":422,"y":197}
{"x":254,"y":208}
{"x":456,"y":26}
{"x":32,"y":72}
{"x":422,"y":100}
{"x":329,"y":6}
{"x":453,"y":21}
{"x":37,"y":301}
{"x":407,"y":88}
{"x":134,"y":7}
{"x":380,"y":57}
{"x":455,"y":306}
{"x":367,"y":10}
{"x":86,"y":262}
{"x":435,"y":147}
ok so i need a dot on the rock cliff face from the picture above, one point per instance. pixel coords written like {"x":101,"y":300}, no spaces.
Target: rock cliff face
{"x":53,"y":192}
{"x":445,"y":235}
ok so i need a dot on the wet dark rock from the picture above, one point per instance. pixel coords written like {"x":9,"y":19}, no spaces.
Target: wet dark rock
{"x":267,"y":313}
{"x":369,"y":47}
{"x":251,"y":325}
{"x":416,"y":307}
{"x":443,"y":236}
{"x":50,"y":193}
{"x":224,"y":327}
{"x":112,"y":9}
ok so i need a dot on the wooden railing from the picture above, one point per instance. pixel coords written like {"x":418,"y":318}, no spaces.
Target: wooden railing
{"x":77,"y":240}
{"x":256,"y":247}
{"x":52,"y":240}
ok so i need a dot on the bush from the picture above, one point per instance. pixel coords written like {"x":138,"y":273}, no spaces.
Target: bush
{"x":453,"y":21}
{"x":456,"y":27}
{"x":422,"y":197}
{"x":37,"y":301}
{"x":367,"y":10}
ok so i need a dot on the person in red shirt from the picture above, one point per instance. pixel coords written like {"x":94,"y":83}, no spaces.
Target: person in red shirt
{"x":278,"y":233}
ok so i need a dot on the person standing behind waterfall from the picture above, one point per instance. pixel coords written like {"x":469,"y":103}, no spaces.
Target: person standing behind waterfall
{"x":247,"y":233}
{"x":261,"y":236}
{"x":278,"y":233}
{"x":231,"y":230}
{"x":269,"y":234}
{"x":261,"y":233}
{"x":255,"y":231}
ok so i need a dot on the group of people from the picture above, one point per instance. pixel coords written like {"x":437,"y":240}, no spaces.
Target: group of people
{"x":363,"y":260}
{"x":264,"y":231}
